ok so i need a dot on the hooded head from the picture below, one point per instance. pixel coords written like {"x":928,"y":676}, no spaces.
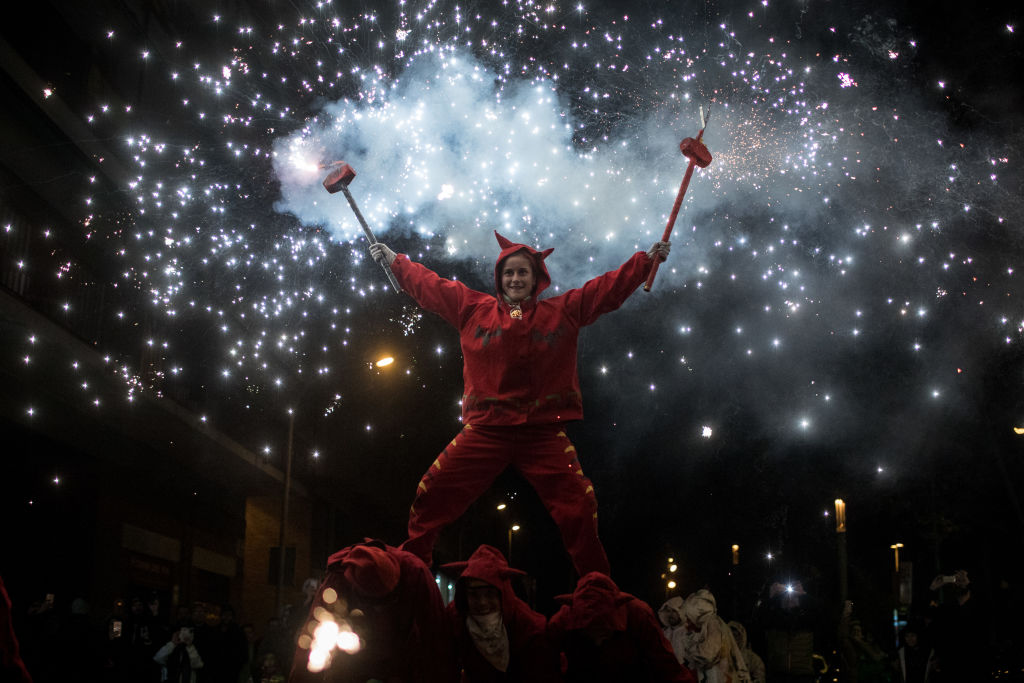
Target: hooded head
{"x":370,"y":569}
{"x":739,"y":634}
{"x":485,"y":566}
{"x":540,"y":272}
{"x":699,"y":605}
{"x":670,"y":614}
{"x":596,"y":603}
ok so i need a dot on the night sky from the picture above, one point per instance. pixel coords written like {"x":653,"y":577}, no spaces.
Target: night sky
{"x":840,"y":315}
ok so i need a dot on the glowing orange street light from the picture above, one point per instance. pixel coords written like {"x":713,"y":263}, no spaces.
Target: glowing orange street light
{"x":896,"y":551}
{"x":841,"y":548}
{"x":735,"y":554}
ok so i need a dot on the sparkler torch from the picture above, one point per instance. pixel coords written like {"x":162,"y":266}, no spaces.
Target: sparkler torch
{"x":339,"y":179}
{"x":698,"y":154}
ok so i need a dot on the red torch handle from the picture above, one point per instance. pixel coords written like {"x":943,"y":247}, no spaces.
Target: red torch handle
{"x":675,"y":209}
{"x":671,"y":222}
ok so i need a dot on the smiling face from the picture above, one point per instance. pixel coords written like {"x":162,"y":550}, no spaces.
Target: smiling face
{"x":482,"y":598}
{"x":517,"y":277}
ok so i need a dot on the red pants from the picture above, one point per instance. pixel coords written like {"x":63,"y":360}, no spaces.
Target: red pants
{"x":544,"y":456}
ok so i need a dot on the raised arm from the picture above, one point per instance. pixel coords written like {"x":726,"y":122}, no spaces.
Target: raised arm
{"x":447,"y":298}
{"x":607,"y":292}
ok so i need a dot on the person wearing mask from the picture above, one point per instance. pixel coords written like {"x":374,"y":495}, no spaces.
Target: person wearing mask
{"x":710,"y":648}
{"x":498,"y":637}
{"x":670,"y":614}
{"x":755,"y":665}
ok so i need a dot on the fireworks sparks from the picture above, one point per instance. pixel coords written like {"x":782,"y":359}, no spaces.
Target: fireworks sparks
{"x":831,"y":190}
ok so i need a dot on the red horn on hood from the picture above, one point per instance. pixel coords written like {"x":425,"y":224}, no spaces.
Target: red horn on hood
{"x":503,"y":241}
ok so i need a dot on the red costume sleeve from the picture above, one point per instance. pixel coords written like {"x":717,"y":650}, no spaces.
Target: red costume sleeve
{"x":607,"y":292}
{"x":447,"y":298}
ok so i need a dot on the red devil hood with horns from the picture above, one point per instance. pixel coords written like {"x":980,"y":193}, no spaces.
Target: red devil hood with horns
{"x":533,"y":659}
{"x":489,"y":565}
{"x":536,"y":257}
{"x":633,"y":646}
{"x":520,"y":370}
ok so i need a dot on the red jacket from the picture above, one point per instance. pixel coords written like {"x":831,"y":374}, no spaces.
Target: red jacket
{"x":532,"y":659}
{"x":635,"y":648}
{"x":520,"y":371}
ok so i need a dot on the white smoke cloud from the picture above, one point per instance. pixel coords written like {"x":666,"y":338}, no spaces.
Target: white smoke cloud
{"x":451,"y":150}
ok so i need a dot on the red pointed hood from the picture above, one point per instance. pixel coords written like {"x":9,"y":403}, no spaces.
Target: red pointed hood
{"x":486,"y":564}
{"x":596,"y":600}
{"x":368,"y":567}
{"x":508,"y":248}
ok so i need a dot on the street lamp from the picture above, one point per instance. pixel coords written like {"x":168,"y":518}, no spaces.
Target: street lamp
{"x":840,"y":516}
{"x":896,"y":552}
{"x":670,"y":581}
{"x":514,"y":527}
{"x":841,"y":546}
{"x":735,"y":554}
{"x":285,"y":498}
{"x":284,"y":511}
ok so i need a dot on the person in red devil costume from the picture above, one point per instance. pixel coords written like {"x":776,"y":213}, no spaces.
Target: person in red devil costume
{"x":12,"y":668}
{"x":520,"y":388}
{"x":608,"y":635}
{"x":498,"y":637}
{"x":377,"y":615}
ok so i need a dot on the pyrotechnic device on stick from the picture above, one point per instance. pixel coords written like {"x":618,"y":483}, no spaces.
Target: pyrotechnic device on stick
{"x":694,"y":150}
{"x":338,"y":181}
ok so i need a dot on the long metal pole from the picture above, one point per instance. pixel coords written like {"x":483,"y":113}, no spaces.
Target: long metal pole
{"x":284,"y":513}
{"x":843,"y":581}
{"x":369,"y":236}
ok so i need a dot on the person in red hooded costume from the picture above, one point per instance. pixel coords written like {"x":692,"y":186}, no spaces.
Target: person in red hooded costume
{"x":520,"y":388}
{"x":499,"y":639}
{"x":377,"y":615}
{"x":12,"y":668}
{"x":611,"y":636}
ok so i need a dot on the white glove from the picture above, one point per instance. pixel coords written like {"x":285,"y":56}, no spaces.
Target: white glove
{"x":379,"y":251}
{"x":659,"y":250}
